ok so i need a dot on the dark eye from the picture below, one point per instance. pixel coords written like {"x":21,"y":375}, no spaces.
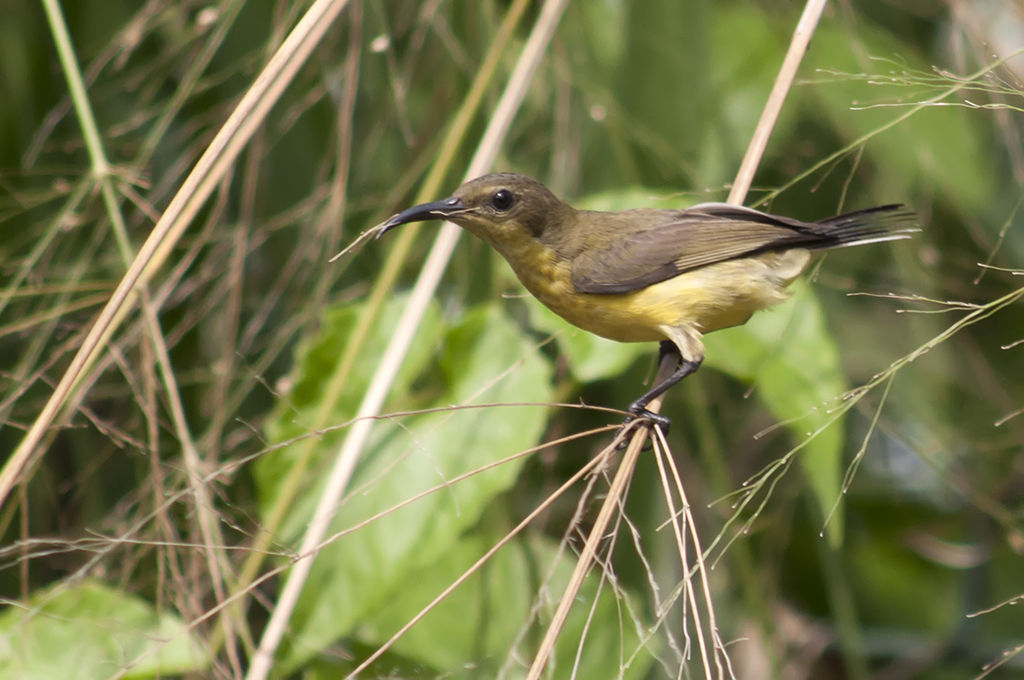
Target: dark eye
{"x":502,"y":200}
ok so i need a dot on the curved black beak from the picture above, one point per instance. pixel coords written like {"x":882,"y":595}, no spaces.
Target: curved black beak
{"x":436,"y":210}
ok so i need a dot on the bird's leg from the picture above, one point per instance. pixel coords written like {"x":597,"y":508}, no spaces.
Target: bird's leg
{"x":685,"y":367}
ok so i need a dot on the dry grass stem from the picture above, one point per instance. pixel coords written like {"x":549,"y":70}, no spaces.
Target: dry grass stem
{"x":380,"y":384}
{"x":210,"y":169}
{"x":798,"y":46}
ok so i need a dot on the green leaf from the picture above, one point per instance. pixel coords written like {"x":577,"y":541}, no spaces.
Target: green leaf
{"x":316,"y":360}
{"x":304,"y":407}
{"x":485,"y":359}
{"x":479,"y":626}
{"x":90,"y":630}
{"x":791,"y":357}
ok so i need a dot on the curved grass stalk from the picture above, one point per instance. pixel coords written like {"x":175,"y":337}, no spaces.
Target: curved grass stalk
{"x":798,"y":46}
{"x":422,"y":292}
{"x":210,"y":169}
{"x":383,"y":284}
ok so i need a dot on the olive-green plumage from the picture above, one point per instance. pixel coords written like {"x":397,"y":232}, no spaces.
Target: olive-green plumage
{"x":641,"y":275}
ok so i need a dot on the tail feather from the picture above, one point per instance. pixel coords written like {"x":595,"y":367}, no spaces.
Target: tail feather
{"x":870,"y":225}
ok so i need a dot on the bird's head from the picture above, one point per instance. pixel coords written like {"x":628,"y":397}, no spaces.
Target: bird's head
{"x":499,"y":208}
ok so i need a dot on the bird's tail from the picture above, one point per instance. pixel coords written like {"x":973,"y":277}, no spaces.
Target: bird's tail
{"x":871,"y":225}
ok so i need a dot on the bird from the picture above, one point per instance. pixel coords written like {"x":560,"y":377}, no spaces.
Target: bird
{"x":645,"y":274}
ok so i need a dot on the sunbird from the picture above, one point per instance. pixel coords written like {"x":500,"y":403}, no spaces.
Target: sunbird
{"x":646,"y":274}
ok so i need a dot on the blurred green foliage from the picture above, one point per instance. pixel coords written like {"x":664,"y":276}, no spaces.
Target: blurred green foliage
{"x":635,"y":103}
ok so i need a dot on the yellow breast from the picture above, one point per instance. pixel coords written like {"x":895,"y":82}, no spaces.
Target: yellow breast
{"x":706,"y":299}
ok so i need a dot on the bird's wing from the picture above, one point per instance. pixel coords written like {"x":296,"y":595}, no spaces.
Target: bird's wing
{"x":687,"y":239}
{"x":715,"y":232}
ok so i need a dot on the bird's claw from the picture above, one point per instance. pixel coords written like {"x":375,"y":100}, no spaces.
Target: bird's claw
{"x":638,"y":412}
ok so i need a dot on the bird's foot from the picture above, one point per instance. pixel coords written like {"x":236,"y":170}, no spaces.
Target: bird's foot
{"x":640,"y":412}
{"x":657,"y":419}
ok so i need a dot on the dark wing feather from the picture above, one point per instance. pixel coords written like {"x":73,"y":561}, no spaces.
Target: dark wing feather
{"x":716,"y":232}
